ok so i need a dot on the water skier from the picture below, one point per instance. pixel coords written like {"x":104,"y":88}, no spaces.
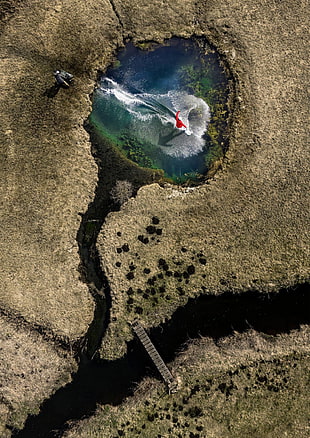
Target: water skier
{"x":178,"y":122}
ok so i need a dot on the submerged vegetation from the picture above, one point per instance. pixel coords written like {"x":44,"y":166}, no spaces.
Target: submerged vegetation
{"x":211,"y":85}
{"x":190,"y":67}
{"x":135,"y":150}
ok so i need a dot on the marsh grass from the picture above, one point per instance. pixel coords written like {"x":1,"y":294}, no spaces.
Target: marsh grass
{"x":247,"y":385}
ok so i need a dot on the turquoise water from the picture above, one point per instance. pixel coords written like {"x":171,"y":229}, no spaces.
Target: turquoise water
{"x":138,"y":97}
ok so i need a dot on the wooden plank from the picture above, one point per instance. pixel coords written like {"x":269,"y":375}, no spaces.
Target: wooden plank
{"x":155,"y":356}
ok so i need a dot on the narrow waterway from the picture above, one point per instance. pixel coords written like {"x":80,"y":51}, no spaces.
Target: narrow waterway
{"x":103,"y":382}
{"x":111,"y":168}
{"x":214,"y":316}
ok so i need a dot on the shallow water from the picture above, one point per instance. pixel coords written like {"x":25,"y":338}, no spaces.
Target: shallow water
{"x":138,"y":98}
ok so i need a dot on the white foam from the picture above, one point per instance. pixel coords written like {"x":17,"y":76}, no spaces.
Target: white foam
{"x":153,"y":113}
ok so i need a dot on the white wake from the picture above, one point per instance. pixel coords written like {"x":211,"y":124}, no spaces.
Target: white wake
{"x":152,"y":117}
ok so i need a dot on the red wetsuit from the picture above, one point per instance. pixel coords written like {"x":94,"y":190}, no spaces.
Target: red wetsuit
{"x":178,"y":122}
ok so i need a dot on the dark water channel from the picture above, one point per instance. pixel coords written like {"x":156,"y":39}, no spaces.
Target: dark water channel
{"x":216,"y":316}
{"x":103,"y":382}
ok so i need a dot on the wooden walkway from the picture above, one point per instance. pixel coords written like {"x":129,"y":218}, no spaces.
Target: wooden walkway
{"x":155,"y":356}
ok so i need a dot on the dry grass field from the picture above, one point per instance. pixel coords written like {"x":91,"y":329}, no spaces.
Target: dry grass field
{"x":250,"y":222}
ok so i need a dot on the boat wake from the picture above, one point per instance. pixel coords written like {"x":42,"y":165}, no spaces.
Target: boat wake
{"x":151,"y":117}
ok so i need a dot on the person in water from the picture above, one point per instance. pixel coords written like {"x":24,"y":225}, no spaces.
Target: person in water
{"x":178,"y":122}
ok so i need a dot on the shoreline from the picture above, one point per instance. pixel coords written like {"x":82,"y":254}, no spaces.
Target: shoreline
{"x":249,"y":222}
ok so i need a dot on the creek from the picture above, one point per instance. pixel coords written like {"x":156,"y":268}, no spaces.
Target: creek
{"x":214,"y":316}
{"x":103,"y":382}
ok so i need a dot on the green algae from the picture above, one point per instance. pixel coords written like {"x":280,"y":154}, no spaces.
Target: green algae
{"x":202,"y":77}
{"x":211,"y":85}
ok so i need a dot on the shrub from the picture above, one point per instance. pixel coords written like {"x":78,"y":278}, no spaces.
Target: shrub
{"x":122,"y":191}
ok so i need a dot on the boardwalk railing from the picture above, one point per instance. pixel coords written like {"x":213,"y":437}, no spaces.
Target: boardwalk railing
{"x":155,"y":356}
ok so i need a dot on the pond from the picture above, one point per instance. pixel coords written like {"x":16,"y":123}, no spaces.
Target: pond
{"x":138,"y":98}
